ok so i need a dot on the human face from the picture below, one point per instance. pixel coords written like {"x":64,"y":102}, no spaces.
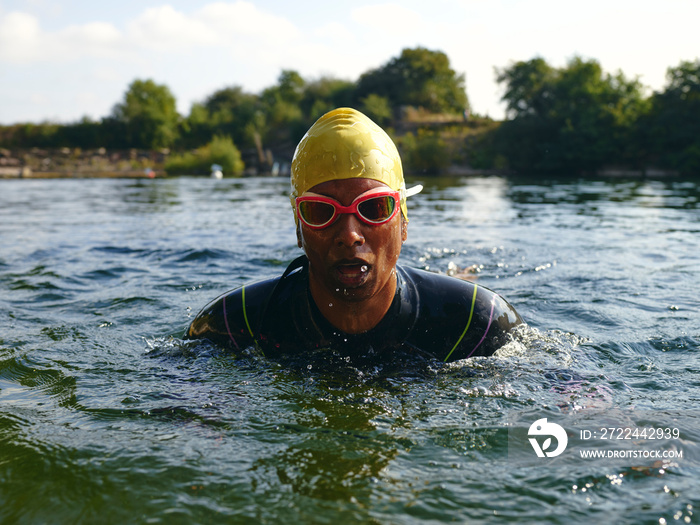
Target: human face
{"x":350,"y":259}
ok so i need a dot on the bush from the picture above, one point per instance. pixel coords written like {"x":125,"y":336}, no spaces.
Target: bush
{"x":425,"y":153}
{"x":221,"y":150}
{"x":377,"y":108}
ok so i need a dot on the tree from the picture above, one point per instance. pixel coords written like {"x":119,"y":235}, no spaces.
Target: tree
{"x":574,"y":119}
{"x":672,"y":128}
{"x":290,"y":86}
{"x":150,"y":115}
{"x":425,"y":152}
{"x":281,"y":101}
{"x":418,"y":77}
{"x":281,"y":107}
{"x":233,"y":112}
{"x":377,"y":108}
{"x":527,"y":87}
{"x":325,"y":94}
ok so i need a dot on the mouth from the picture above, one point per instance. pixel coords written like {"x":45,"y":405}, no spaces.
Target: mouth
{"x":353,"y":272}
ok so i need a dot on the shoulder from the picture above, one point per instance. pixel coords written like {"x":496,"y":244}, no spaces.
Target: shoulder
{"x":449,"y":289}
{"x":436,"y":290}
{"x":228,"y":318}
{"x":459,"y":318}
{"x":236,"y":318}
{"x":435,"y":279}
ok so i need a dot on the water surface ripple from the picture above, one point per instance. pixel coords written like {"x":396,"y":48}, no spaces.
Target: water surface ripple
{"x":107,"y":415}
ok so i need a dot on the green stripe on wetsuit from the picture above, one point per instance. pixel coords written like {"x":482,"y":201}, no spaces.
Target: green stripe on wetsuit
{"x":245,"y":317}
{"x":471,"y":314}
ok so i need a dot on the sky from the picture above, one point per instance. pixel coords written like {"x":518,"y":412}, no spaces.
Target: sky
{"x":62,"y":60}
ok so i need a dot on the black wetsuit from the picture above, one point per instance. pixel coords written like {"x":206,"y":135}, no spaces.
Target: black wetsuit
{"x":432,"y":315}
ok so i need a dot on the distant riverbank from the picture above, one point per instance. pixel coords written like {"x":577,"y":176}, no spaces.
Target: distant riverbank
{"x":28,"y":174}
{"x":459,"y":153}
{"x":76,"y":163}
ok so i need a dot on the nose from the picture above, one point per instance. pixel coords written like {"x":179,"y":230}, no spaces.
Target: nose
{"x":349,"y":230}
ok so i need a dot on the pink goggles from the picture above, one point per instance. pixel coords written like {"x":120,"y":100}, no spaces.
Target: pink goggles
{"x":376,"y":206}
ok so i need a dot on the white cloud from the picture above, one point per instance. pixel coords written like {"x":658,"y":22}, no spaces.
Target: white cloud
{"x":254,"y":38}
{"x":243,"y":19}
{"x":105,"y":74}
{"x":39,"y":99}
{"x":335,"y":32}
{"x":22,"y":41}
{"x":388,"y":19}
{"x":165,"y":29}
{"x":240,"y":27}
{"x":87,"y":98}
{"x":96,"y":39}
{"x":20,"y":37}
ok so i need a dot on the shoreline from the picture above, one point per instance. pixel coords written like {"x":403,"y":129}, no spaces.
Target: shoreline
{"x":455,"y":170}
{"x":28,"y":174}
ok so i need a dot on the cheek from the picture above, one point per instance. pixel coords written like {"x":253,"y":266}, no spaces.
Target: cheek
{"x":311,"y":241}
{"x":391,"y":245}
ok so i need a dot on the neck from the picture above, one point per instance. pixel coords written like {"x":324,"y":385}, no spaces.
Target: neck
{"x":354,"y":316}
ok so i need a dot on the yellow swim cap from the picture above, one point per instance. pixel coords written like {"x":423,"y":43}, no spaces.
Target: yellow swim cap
{"x":344,"y":144}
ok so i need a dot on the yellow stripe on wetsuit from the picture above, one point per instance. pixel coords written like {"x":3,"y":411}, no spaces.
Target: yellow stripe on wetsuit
{"x":245,"y":317}
{"x":469,"y":322}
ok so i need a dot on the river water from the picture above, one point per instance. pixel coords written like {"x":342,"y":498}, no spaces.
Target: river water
{"x":107,"y":416}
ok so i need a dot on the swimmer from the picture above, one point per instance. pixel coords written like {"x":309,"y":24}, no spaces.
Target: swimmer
{"x":347,"y":293}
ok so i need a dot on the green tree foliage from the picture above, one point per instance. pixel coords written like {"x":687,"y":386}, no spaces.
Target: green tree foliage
{"x":229,"y":111}
{"x":280,"y":112}
{"x":85,"y":133}
{"x":418,"y":77}
{"x":574,"y":119}
{"x":325,"y":94}
{"x":377,"y":108}
{"x":149,"y":115}
{"x":34,"y":135}
{"x":672,"y":128}
{"x":528,"y":88}
{"x":221,"y":150}
{"x":281,"y":103}
{"x":425,"y":152}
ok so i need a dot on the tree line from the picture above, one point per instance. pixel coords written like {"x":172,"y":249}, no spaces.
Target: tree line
{"x":575,"y":119}
{"x":579,"y":119}
{"x":274,"y":119}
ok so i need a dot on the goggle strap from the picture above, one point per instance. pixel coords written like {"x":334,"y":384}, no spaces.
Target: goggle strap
{"x":411,"y":191}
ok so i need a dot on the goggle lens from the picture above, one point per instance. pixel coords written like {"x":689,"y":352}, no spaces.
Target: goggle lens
{"x":377,"y":209}
{"x":316,"y":213}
